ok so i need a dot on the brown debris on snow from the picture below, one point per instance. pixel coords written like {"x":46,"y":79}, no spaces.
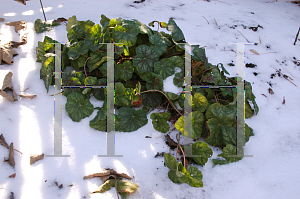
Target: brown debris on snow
{"x":34,"y":158}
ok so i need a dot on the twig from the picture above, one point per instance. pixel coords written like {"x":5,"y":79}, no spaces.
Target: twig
{"x":205,"y":19}
{"x":84,"y":66}
{"x":243,"y":36}
{"x":178,"y":140}
{"x":165,"y":96}
{"x":285,"y":76}
{"x":296,"y":36}
{"x":216,"y":22}
{"x":43,"y":10}
{"x":259,"y":40}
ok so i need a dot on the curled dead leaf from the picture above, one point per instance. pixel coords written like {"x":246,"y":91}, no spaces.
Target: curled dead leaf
{"x":34,"y":158}
{"x":3,"y":141}
{"x":106,"y":174}
{"x":7,"y":84}
{"x":11,"y":159}
{"x":21,"y":1}
{"x":271,"y":91}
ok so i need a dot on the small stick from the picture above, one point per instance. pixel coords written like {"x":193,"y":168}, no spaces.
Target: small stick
{"x":259,"y":40}
{"x":43,"y":10}
{"x":216,"y":22}
{"x":205,"y":19}
{"x":296,"y":36}
{"x":244,"y":36}
{"x":84,"y":66}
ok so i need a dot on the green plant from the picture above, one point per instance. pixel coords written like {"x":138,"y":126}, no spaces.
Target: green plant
{"x":145,"y":58}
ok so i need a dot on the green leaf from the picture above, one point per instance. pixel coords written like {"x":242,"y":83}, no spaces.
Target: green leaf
{"x":106,"y":186}
{"x":145,"y":59}
{"x":202,"y":150}
{"x":75,"y":33}
{"x":47,"y":69}
{"x":178,"y":80}
{"x":99,"y":92}
{"x":199,"y":103}
{"x":104,"y":21}
{"x":90,"y":81}
{"x":94,"y":37}
{"x":223,"y":69}
{"x":131,"y":119}
{"x":100,"y":121}
{"x":143,"y":29}
{"x":152,"y":99}
{"x":197,"y":119}
{"x":177,"y":62}
{"x":77,"y":49}
{"x":160,"y":50}
{"x":250,"y":96}
{"x":170,"y":161}
{"x":160,"y":121}
{"x":220,"y":119}
{"x":123,"y":71}
{"x":175,"y":30}
{"x":124,"y":96}
{"x":126,"y":187}
{"x":248,"y":110}
{"x":194,"y":177}
{"x":228,"y":151}
{"x":40,"y":26}
{"x":47,"y":46}
{"x":69,"y":79}
{"x":96,"y":60}
{"x":125,"y":34}
{"x":172,"y":96}
{"x":78,"y":107}
{"x":79,"y":62}
{"x":159,"y":40}
{"x":164,"y":68}
{"x":72,"y":21}
{"x":154,"y":81}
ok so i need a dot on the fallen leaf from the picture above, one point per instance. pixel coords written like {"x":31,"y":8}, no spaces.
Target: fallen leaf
{"x":11,"y":158}
{"x":3,"y":141}
{"x":270,"y":91}
{"x":283,"y":102}
{"x":12,"y":176}
{"x":59,"y":20}
{"x":1,"y":19}
{"x":19,"y":25}
{"x":7,"y":84}
{"x":12,"y":196}
{"x":28,"y":96}
{"x":254,"y":51}
{"x":61,"y":186}
{"x":21,"y":1}
{"x":7,"y":54}
{"x":107,"y":172}
{"x":34,"y":158}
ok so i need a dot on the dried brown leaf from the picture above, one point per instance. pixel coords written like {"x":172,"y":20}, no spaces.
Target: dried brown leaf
{"x":19,"y":25}
{"x":61,"y":186}
{"x":21,"y":1}
{"x":59,"y":20}
{"x":12,"y":176}
{"x":271,"y":91}
{"x":254,"y":51}
{"x":7,"y":84}
{"x":1,"y":19}
{"x":3,"y":141}
{"x":104,"y":173}
{"x":34,"y":158}
{"x":283,"y":102}
{"x":11,"y":159}
{"x":7,"y":54}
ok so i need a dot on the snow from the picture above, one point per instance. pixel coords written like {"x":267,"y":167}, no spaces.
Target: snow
{"x":273,"y":170}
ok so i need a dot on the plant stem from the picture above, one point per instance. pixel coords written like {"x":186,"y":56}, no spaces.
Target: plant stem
{"x":84,"y":66}
{"x":178,"y":140}
{"x":165,"y":96}
{"x":43,"y":10}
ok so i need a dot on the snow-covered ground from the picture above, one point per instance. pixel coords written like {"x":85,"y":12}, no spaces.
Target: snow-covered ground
{"x":272,"y":172}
